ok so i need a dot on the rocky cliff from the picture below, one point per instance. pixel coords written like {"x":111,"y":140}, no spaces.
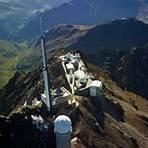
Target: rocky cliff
{"x":119,"y":119}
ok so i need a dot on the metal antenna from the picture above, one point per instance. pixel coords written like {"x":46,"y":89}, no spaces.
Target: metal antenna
{"x":46,"y":97}
{"x":41,"y":26}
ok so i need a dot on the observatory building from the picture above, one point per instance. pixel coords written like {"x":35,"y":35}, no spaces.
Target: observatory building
{"x":96,"y":88}
{"x":63,"y":129}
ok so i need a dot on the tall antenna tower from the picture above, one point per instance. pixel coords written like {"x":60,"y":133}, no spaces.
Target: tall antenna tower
{"x":46,"y":97}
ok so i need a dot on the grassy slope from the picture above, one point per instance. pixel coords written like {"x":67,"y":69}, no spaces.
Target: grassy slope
{"x":29,"y":57}
{"x":8,"y":59}
{"x":16,"y":58}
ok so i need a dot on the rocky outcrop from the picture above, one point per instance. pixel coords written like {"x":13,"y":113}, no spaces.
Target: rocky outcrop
{"x":132,"y":71}
{"x":119,"y":119}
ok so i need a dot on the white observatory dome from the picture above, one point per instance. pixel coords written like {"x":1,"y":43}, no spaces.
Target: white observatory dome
{"x":62,"y":124}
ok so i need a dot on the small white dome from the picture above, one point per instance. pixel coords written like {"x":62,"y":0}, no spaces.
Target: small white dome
{"x":62,"y":124}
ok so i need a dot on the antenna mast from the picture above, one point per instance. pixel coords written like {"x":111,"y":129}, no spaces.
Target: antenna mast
{"x":46,"y":97}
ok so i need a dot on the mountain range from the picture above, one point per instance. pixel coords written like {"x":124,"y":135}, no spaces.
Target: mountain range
{"x":20,"y":20}
{"x":119,"y":34}
{"x":36,"y":4}
{"x":14,"y":15}
{"x":104,"y":45}
{"x":111,"y":37}
{"x":83,"y":12}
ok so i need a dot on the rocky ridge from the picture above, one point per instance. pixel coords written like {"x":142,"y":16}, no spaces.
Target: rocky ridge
{"x":119,"y":120}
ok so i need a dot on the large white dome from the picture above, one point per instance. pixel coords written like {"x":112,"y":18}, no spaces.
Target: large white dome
{"x":62,"y":124}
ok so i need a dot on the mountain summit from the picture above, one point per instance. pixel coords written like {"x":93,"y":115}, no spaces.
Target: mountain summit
{"x":117,"y":119}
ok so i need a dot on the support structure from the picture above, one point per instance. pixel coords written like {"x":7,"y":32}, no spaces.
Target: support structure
{"x":46,"y":97}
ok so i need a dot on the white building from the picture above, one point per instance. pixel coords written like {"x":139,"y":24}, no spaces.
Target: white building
{"x":70,"y":67}
{"x":79,"y":74}
{"x":63,"y":129}
{"x":96,"y":88}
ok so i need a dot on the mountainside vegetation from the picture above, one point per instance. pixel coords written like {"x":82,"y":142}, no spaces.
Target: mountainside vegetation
{"x":8,"y":59}
{"x":13,"y":57}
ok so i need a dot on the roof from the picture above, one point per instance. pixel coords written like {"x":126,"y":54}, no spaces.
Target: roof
{"x":80,"y":74}
{"x":97,"y":83}
{"x":62,"y":124}
{"x":70,"y":66}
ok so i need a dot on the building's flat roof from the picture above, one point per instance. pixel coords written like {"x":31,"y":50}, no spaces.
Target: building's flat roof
{"x":96,"y":83}
{"x":70,"y":66}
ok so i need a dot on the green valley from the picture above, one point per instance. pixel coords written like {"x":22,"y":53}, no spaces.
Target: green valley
{"x":9,"y":54}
